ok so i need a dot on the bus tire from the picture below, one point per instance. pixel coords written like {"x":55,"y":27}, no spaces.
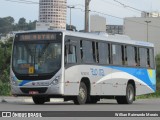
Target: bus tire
{"x":93,"y":100}
{"x":38,"y":100}
{"x":130,"y":96}
{"x":82,"y":96}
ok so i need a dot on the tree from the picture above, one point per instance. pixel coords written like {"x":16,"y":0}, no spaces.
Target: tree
{"x":5,"y":55}
{"x":73,"y":28}
{"x":6,"y":24}
{"x":22,"y":23}
{"x":31,"y":25}
{"x":10,"y":20}
{"x":158,"y":66}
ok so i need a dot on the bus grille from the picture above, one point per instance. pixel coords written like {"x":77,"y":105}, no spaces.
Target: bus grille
{"x":40,"y":90}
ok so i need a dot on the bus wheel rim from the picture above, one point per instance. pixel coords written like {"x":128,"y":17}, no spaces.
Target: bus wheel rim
{"x":82,"y":93}
{"x":130,"y":94}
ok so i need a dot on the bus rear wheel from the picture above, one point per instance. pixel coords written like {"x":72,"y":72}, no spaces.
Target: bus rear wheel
{"x":82,"y":96}
{"x":130,"y":95}
{"x":38,"y":100}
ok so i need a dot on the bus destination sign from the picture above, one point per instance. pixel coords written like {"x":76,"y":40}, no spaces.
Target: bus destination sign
{"x":37,"y":36}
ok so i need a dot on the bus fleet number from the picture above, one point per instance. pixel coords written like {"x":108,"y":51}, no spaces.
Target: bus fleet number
{"x":97,"y":72}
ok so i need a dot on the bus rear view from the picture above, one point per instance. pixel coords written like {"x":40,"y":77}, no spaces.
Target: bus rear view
{"x":36,"y":65}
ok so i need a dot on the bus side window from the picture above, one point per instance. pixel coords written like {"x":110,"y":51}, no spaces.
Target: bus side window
{"x":103,"y":53}
{"x":116,"y":54}
{"x":148,"y":59}
{"x":70,"y":54}
{"x":131,"y":56}
{"x":97,"y":53}
{"x":151,"y":58}
{"x":125,"y":55}
{"x":87,"y":52}
{"x":94,"y":51}
{"x":81,"y":50}
{"x":137,"y":59}
{"x":124,"y":61}
{"x":143,"y":57}
{"x":109,"y":53}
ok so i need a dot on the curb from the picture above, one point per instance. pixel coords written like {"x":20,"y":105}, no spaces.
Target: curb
{"x":29,"y":100}
{"x":25,"y":100}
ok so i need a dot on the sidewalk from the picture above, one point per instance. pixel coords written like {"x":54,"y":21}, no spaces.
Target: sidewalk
{"x":11,"y":99}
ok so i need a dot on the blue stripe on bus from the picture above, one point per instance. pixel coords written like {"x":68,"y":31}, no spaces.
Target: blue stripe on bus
{"x":140,"y":73}
{"x":24,"y":82}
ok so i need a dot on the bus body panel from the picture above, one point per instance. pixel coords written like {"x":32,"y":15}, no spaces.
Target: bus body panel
{"x":109,"y":80}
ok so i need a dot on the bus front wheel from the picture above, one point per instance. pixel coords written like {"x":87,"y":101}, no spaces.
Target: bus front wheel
{"x":130,"y":95}
{"x":82,"y":96}
{"x":38,"y":100}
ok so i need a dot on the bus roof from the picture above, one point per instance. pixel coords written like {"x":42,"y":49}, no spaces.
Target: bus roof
{"x":112,"y":38}
{"x":104,"y":37}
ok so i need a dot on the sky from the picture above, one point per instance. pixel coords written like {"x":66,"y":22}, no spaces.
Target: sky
{"x":110,"y":7}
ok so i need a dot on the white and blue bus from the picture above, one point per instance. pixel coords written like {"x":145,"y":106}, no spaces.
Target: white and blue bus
{"x":82,"y":67}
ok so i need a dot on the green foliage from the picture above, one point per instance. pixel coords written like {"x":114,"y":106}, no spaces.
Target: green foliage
{"x":158,"y":68}
{"x":22,"y":25}
{"x":5,"y":55}
{"x":7,"y":25}
{"x":5,"y":89}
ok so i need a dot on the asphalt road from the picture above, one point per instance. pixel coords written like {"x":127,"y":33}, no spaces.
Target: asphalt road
{"x":103,"y":105}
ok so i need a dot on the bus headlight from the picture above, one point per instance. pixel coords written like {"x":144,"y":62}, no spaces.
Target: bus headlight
{"x":55,"y":81}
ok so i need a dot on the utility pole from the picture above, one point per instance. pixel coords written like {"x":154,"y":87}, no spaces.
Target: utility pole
{"x":147,"y":28}
{"x":70,"y":7}
{"x":87,"y":15}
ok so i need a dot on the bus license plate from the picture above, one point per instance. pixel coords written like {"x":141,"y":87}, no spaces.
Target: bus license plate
{"x":33,"y":92}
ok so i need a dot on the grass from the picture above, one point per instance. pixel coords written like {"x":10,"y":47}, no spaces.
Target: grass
{"x":152,"y":95}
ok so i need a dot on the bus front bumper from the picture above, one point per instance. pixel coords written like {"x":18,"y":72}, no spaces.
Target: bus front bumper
{"x":38,"y":90}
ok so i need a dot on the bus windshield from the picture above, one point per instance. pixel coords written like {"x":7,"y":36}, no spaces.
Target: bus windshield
{"x":36,"y":58}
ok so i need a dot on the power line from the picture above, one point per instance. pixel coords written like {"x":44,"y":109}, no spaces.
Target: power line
{"x":125,"y":19}
{"x":29,"y":1}
{"x":127,"y":6}
{"x":107,"y":2}
{"x":23,"y":1}
{"x":122,"y":4}
{"x":117,"y":17}
{"x":111,"y":3}
{"x":106,"y":14}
